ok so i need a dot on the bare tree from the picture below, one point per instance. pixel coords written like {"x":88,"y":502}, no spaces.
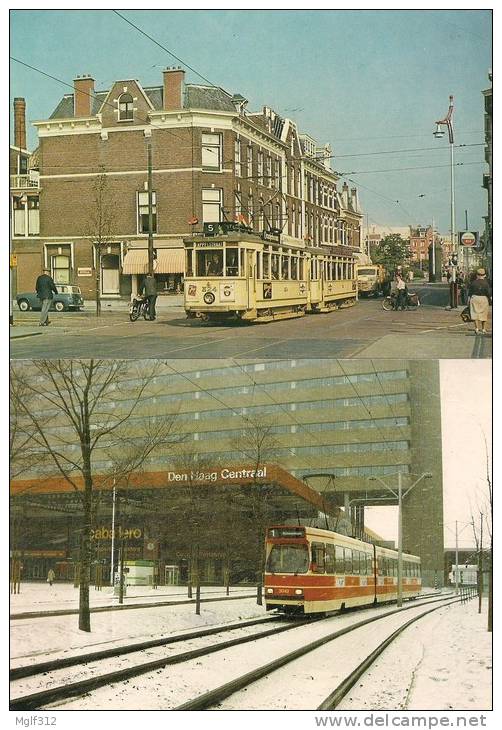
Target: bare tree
{"x":258,"y":446}
{"x":101,"y":225}
{"x":78,"y":422}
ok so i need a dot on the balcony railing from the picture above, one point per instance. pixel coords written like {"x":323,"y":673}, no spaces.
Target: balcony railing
{"x":24,"y":182}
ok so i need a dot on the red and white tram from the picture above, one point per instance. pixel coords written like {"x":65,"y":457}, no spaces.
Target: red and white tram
{"x":309,"y":570}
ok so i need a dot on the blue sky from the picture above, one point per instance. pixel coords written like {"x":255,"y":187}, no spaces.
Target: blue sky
{"x":366,"y":81}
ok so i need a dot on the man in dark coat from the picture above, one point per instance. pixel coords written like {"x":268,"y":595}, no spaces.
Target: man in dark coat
{"x":150,"y":292}
{"x":45,"y":289}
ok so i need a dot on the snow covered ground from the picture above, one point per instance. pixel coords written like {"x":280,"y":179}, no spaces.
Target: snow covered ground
{"x":441,"y":662}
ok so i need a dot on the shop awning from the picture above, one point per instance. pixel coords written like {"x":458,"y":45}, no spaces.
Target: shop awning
{"x":169,"y":261}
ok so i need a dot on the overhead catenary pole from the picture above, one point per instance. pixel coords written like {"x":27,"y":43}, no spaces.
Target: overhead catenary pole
{"x":456,"y":557}
{"x":112,"y":561}
{"x":150,"y":211}
{"x":400,"y":541}
{"x":480,"y":566}
{"x":448,"y":123}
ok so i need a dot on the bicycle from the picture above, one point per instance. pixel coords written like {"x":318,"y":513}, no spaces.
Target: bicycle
{"x":137,"y":308}
{"x":390,"y":303}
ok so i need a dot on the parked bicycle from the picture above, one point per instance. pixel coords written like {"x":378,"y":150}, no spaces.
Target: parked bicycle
{"x":412,"y":301}
{"x":137,"y":308}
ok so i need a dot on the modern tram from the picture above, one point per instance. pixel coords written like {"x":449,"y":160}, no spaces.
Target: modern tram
{"x":238,"y":275}
{"x":309,"y":570}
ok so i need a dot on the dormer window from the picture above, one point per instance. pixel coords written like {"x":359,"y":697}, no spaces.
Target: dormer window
{"x":125,"y":108}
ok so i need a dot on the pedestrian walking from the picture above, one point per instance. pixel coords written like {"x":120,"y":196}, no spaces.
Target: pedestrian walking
{"x":45,"y":289}
{"x":150,"y":292}
{"x":480,"y":295}
{"x":50,"y":576}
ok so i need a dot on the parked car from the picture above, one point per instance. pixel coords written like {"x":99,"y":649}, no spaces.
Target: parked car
{"x":68,"y":297}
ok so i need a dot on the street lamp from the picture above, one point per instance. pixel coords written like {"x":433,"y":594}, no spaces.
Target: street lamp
{"x":400,"y":496}
{"x":439,"y":134}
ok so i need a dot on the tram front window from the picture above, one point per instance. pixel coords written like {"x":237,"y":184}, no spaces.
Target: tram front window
{"x":288,"y":559}
{"x":232,"y":262}
{"x":210,"y":263}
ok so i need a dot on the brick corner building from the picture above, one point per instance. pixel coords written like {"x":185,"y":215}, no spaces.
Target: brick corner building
{"x":212,"y":160}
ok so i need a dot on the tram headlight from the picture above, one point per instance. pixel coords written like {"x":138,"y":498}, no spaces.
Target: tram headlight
{"x":209,"y":297}
{"x":298,"y":592}
{"x":270,"y":590}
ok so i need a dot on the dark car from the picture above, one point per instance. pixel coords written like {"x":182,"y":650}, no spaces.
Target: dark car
{"x":68,"y":297}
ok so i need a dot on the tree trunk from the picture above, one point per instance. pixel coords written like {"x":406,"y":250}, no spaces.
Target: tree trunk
{"x":98,"y":281}
{"x":490,"y":592}
{"x":84,"y":614}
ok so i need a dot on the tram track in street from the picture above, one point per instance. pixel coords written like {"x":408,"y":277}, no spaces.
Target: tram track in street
{"x":124,"y":607}
{"x":68,"y":689}
{"x":211,"y":699}
{"x":36,"y":700}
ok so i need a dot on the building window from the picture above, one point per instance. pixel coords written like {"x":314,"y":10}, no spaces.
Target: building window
{"x":211,"y":205}
{"x":19,"y":216}
{"x":269,"y":181}
{"x":260,"y":167}
{"x":60,"y":266}
{"x":251,"y":209}
{"x":238,"y":157}
{"x":143,"y":212}
{"x":125,"y":107}
{"x":238,"y":206}
{"x":249,"y":161}
{"x":277,"y":174}
{"x":211,"y":151}
{"x":33,"y":215}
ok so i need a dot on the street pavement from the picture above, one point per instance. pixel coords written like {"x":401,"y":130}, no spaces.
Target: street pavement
{"x":362,"y":331}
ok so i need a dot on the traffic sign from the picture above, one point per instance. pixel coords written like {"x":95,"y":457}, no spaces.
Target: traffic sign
{"x":468,"y":238}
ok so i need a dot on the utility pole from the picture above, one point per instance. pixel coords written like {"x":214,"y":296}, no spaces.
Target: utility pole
{"x":456,"y":557}
{"x":439,"y":133}
{"x":112,"y":561}
{"x":433,"y":252}
{"x":150,"y":211}
{"x":480,"y":566}
{"x":400,"y":541}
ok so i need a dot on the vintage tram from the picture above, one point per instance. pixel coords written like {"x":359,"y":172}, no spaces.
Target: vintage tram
{"x":309,"y":570}
{"x":232,"y":273}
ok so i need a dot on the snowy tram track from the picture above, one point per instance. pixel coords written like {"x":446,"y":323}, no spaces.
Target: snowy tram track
{"x":159,"y":688}
{"x":215,"y":699}
{"x":87,"y":663}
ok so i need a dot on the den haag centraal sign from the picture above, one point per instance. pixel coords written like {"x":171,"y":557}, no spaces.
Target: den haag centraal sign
{"x":216,"y":475}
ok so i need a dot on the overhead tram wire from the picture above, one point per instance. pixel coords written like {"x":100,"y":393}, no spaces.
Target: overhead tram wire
{"x":164,"y":48}
{"x":216,"y":398}
{"x":365,"y":407}
{"x":405,"y":169}
{"x":145,"y":120}
{"x":302,"y":426}
{"x":396,"y":152}
{"x":386,"y":398}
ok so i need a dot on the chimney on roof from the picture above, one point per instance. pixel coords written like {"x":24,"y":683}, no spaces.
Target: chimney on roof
{"x":174,"y":80}
{"x":20,"y":123}
{"x":83,"y":96}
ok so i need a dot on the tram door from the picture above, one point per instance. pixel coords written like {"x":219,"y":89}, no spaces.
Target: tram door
{"x":315,"y":280}
{"x":250,"y":283}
